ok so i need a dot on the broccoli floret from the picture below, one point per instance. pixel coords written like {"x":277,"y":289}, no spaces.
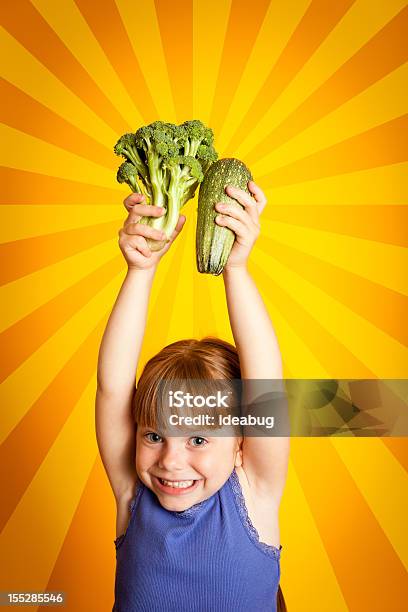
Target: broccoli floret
{"x":126,"y":146}
{"x":207,"y":155}
{"x":197,"y":134}
{"x":127,"y":173}
{"x":166,"y":162}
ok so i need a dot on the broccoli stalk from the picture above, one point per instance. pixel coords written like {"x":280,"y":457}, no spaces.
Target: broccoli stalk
{"x":166,"y":163}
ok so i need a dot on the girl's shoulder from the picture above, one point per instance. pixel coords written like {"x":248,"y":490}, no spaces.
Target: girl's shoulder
{"x":262,"y":513}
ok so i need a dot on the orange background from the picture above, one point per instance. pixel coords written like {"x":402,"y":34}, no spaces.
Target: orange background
{"x":311,"y":94}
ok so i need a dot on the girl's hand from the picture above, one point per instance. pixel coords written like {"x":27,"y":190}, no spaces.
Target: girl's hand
{"x":243,"y":222}
{"x":132,"y":237}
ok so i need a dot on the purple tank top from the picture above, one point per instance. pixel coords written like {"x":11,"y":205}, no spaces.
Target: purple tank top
{"x":204,"y":559}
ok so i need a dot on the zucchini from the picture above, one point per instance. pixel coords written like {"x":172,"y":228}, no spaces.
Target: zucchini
{"x":213,"y":242}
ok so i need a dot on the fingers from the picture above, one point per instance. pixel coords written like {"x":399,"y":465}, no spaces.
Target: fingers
{"x":140,"y":229}
{"x":258,"y":194}
{"x":245,"y":199}
{"x":133,"y":237}
{"x":134,"y":198}
{"x":178,"y":228}
{"x":136,"y":243}
{"x":138,"y":211}
{"x":237,"y":213}
{"x":239,"y":228}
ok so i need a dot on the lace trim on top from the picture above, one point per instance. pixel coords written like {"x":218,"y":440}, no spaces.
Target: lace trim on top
{"x":268,"y":549}
{"x":191,"y":511}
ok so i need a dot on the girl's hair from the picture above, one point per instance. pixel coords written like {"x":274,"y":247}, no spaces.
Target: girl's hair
{"x":206,"y":359}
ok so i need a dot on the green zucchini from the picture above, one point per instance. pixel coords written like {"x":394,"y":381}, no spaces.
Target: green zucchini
{"x":213,"y":242}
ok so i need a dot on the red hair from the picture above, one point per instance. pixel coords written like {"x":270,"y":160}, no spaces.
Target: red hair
{"x":206,"y":359}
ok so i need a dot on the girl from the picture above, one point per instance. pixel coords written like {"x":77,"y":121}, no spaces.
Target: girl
{"x":197,"y":515}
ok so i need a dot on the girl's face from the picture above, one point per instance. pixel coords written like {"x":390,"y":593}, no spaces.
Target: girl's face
{"x":183,"y":471}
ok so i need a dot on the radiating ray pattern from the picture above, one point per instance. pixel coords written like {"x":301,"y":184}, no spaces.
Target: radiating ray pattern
{"x":310,"y":94}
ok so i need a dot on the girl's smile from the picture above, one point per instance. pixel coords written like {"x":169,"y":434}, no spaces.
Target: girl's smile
{"x":176,"y":487}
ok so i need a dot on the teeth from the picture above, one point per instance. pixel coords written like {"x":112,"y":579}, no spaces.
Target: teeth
{"x":177,"y":484}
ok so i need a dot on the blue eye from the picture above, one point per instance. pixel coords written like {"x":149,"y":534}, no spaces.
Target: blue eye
{"x":197,"y":441}
{"x":153,"y":437}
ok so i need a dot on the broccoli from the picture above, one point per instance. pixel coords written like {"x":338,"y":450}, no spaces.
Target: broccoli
{"x":166,"y":163}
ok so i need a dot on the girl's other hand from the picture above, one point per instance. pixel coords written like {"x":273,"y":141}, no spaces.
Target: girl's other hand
{"x":132,"y":236}
{"x":243,"y":222}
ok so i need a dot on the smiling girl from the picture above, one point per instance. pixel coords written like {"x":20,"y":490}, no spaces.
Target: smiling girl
{"x":197,"y":513}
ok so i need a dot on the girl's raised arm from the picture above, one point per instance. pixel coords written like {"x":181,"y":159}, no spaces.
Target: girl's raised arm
{"x":120,"y":349}
{"x":265,"y":459}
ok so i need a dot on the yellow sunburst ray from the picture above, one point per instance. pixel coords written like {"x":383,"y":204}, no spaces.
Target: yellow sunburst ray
{"x":209,"y":33}
{"x":63,"y":475}
{"x":109,"y":30}
{"x":31,"y":332}
{"x":20,"y":187}
{"x":24,"y":152}
{"x":370,"y":300}
{"x":205,"y":308}
{"x":368,"y":462}
{"x":381,"y":263}
{"x":398,"y":446}
{"x":299,"y":539}
{"x":165,"y":271}
{"x":267,"y":48}
{"x":26,"y":294}
{"x":68,"y":23}
{"x":319,"y":466}
{"x":315,"y":26}
{"x":379,"y":103}
{"x":215,"y":286}
{"x":148,"y":48}
{"x":49,"y":127}
{"x":95,"y":515}
{"x":178,"y":52}
{"x":384,"y":356}
{"x":236,"y":50}
{"x":319,"y":339}
{"x":46,"y":250}
{"x":32,"y":30}
{"x":347,"y":82}
{"x":297,"y":357}
{"x":182,"y":297}
{"x":221,"y":313}
{"x":26,"y":221}
{"x":23,"y":387}
{"x":32,"y":77}
{"x":382,"y":145}
{"x":387,"y":222}
{"x":164,"y":290}
{"x":43,"y":416}
{"x":380,"y":185}
{"x":350,"y":35}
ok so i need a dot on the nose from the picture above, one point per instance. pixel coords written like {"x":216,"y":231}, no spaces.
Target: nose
{"x":172,"y":457}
